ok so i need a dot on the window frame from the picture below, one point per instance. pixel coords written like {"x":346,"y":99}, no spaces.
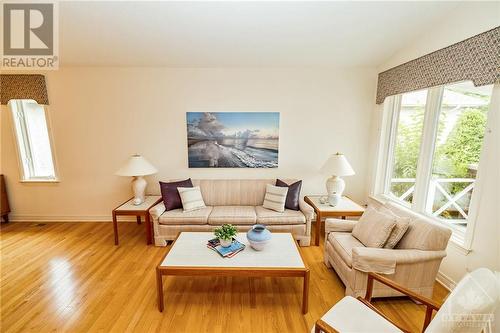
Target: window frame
{"x":385,"y":162}
{"x":25,"y":177}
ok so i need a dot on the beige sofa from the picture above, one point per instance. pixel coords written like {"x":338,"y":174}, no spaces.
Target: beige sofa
{"x":235,"y":201}
{"x":413,"y":263}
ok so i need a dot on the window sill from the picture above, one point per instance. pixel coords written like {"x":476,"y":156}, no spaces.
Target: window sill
{"x":40,"y":181}
{"x":457,"y":241}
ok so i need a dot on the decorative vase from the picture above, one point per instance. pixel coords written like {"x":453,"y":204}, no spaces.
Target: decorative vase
{"x":225,"y":242}
{"x":258,"y":237}
{"x":334,"y":199}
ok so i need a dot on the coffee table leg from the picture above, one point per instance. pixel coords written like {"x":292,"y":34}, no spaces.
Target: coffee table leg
{"x":305,"y":293}
{"x":159,"y":286}
{"x":318,"y":228}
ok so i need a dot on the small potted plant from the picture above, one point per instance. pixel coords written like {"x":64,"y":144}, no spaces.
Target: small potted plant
{"x":225,"y":234}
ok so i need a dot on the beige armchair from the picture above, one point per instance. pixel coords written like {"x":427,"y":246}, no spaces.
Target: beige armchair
{"x":413,"y":263}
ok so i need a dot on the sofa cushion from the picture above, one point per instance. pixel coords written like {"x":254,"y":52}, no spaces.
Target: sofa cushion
{"x":402,"y":224}
{"x":271,"y":217}
{"x":343,"y":243}
{"x":374,"y":228}
{"x":236,"y":215}
{"x":178,"y":216}
{"x":293,"y":194}
{"x":170,"y":195}
{"x":191,"y":198}
{"x":275,"y":198}
{"x":423,"y":233}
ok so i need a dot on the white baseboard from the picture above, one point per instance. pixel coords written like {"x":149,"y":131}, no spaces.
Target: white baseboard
{"x":69,"y":218}
{"x":446,"y":281}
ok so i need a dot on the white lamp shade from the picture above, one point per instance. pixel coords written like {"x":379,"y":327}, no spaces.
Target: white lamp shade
{"x":337,"y":165}
{"x":136,"y":166}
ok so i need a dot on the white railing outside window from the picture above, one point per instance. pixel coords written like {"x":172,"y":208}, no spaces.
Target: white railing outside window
{"x":441,"y":202}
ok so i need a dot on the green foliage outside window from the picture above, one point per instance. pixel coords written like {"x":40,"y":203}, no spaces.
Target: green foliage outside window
{"x":463,"y":145}
{"x":452,"y":159}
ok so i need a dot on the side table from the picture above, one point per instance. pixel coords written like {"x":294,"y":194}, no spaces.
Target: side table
{"x":129,"y":209}
{"x":346,"y":207}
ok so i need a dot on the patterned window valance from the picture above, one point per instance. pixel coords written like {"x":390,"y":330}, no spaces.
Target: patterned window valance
{"x":476,"y":59}
{"x":23,"y":86}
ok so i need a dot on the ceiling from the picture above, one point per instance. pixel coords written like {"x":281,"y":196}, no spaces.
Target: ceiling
{"x":240,"y":34}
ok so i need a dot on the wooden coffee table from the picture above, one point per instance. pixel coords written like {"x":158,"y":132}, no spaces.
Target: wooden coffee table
{"x":189,"y":256}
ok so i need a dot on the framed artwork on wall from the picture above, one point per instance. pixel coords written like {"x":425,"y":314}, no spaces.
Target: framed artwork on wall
{"x":233,"y":139}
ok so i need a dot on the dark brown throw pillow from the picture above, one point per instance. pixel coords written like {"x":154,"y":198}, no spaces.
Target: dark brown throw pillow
{"x":293,"y":194}
{"x":170,"y":195}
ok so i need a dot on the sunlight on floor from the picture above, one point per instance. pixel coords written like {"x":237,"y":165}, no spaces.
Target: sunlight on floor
{"x":63,"y":284}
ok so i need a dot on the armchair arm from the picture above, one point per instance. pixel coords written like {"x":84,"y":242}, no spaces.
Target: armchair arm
{"x":306,"y":209}
{"x":403,"y":256}
{"x":429,"y":303}
{"x":384,"y":261}
{"x":157,"y":210}
{"x":339,"y":225}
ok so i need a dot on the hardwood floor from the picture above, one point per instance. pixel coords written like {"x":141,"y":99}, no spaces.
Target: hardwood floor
{"x":70,"y":277}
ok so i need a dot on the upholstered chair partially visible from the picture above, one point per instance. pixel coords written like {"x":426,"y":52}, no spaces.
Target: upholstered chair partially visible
{"x":470,"y":308}
{"x":413,"y":262}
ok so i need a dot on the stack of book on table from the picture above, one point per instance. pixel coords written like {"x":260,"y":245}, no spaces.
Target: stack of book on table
{"x":226,"y":252}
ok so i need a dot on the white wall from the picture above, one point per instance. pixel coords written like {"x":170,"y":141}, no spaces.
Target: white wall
{"x":466,"y":21}
{"x":100,"y":116}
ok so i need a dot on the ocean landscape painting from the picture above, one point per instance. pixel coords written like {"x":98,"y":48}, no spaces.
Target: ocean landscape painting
{"x":233,"y":139}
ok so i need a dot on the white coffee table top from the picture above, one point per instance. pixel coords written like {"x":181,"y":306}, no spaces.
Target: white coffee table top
{"x":190,"y":250}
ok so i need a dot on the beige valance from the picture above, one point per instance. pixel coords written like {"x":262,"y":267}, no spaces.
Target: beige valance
{"x":476,"y":59}
{"x":23,"y":86}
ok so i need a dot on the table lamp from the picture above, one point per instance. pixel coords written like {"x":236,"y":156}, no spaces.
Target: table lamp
{"x":137,"y":167}
{"x":337,"y":166}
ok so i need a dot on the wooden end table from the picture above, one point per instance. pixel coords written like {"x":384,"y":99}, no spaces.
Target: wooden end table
{"x":346,"y":207}
{"x":129,"y":209}
{"x":189,"y":256}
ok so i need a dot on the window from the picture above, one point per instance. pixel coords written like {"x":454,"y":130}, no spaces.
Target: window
{"x":434,"y":140}
{"x":408,"y":135}
{"x":457,"y":146}
{"x":33,"y":141}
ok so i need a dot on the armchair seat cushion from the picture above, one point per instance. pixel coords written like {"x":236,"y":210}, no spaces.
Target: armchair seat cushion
{"x":178,"y":216}
{"x":350,"y":315}
{"x":343,"y":243}
{"x":241,"y":215}
{"x":271,"y":217}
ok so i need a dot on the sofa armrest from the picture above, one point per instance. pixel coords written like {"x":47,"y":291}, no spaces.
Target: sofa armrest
{"x":384,"y":261}
{"x":306,"y":209}
{"x":156,"y":211}
{"x":339,"y":225}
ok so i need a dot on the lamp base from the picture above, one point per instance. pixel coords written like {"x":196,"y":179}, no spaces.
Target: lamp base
{"x":334,"y":188}
{"x":139,"y":189}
